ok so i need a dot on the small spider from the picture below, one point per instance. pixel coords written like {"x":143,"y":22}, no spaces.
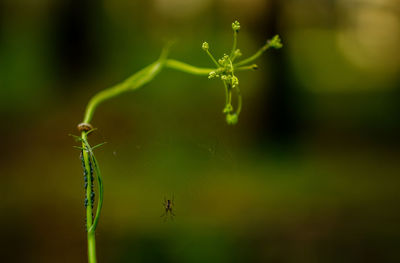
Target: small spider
{"x":168,"y":205}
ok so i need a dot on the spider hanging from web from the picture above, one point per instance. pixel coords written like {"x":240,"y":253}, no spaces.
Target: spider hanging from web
{"x":168,"y":205}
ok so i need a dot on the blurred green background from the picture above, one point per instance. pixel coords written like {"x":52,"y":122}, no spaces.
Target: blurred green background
{"x":309,"y":174}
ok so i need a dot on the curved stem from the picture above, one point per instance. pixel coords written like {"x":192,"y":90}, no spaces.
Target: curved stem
{"x":132,"y":83}
{"x":139,"y":79}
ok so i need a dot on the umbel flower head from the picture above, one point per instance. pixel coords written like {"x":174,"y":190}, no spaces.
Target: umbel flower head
{"x":226,"y":69}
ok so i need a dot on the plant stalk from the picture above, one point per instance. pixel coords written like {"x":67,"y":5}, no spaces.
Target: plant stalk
{"x":253,"y":57}
{"x":139,"y":79}
{"x":89,"y":211}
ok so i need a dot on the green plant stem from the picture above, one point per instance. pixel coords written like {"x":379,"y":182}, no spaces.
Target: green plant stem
{"x":234,"y":45}
{"x":139,"y":79}
{"x":89,"y":213}
{"x":249,"y":67}
{"x":254,"y":57}
{"x":212,"y":58}
{"x":226,"y":94}
{"x":175,"y":64}
{"x":92,"y":247}
{"x":239,"y":94}
{"x":132,"y":83}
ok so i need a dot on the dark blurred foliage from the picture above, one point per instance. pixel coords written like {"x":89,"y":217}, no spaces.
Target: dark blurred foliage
{"x":309,"y":174}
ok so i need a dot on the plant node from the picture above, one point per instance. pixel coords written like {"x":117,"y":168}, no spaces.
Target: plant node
{"x":84,"y":127}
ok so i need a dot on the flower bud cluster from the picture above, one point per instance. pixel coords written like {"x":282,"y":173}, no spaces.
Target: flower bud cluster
{"x":205,"y":46}
{"x":236,"y":26}
{"x":275,"y":42}
{"x":232,"y":118}
{"x":226,"y":68}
